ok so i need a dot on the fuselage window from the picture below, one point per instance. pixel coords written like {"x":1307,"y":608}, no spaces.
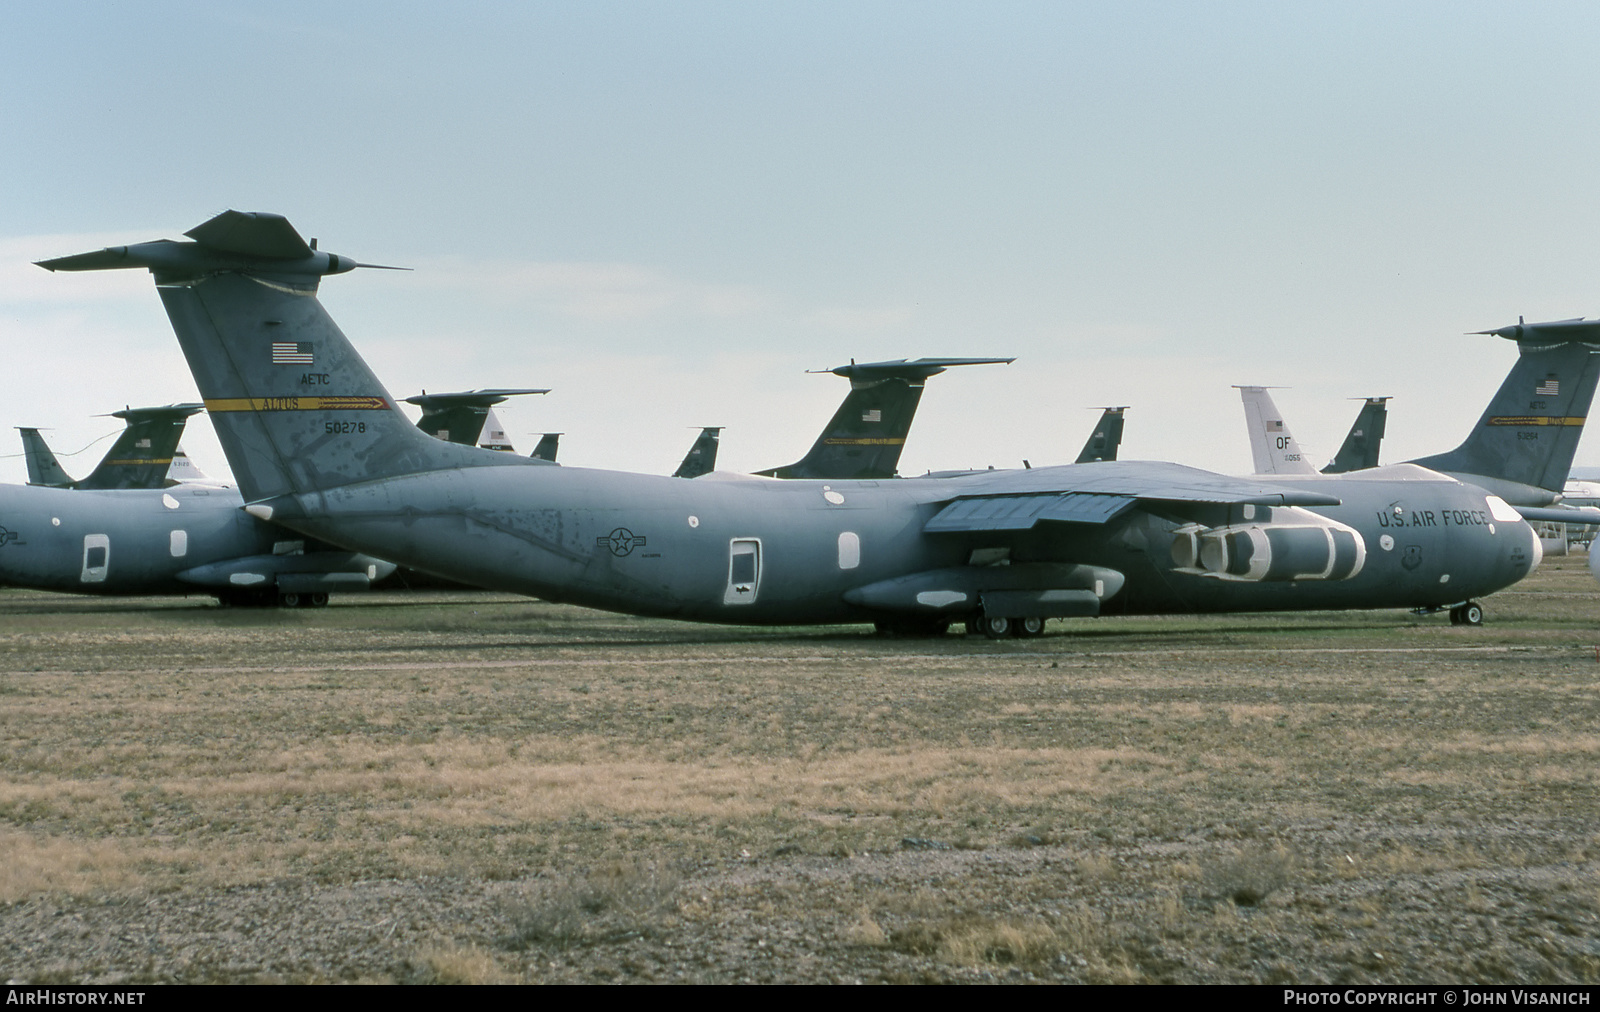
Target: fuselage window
{"x":180,"y":544}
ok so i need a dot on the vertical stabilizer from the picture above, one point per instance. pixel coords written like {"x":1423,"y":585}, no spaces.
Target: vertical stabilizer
{"x":1272,"y":448}
{"x":295,"y":407}
{"x":1530,"y":431}
{"x":43,"y":468}
{"x":549,"y":445}
{"x":702,"y":456}
{"x":1105,"y":438}
{"x":1359,"y":450}
{"x":142,"y":454}
{"x":184,"y":471}
{"x":867,"y":433}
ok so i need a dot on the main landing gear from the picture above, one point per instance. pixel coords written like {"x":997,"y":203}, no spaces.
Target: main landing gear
{"x":997,"y":627}
{"x":267,"y":599}
{"x":1470,"y":613}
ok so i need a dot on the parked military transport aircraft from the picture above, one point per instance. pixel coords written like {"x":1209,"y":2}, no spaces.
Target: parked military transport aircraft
{"x":129,"y":529}
{"x":140,"y":458}
{"x":330,"y":456}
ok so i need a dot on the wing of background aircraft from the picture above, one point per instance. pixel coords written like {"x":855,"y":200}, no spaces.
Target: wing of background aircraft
{"x":702,"y":456}
{"x":867,"y":433}
{"x":1105,"y":438}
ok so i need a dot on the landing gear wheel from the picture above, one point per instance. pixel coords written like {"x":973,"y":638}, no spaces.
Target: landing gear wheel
{"x":1470,"y":613}
{"x":995,"y":627}
{"x":315,"y":601}
{"x":1027,"y":627}
{"x":974,"y":627}
{"x":288,"y":600}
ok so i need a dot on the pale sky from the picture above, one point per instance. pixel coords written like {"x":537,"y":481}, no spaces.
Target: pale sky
{"x":667,"y":212}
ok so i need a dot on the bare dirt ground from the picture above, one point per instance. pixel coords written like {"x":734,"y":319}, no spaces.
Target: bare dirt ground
{"x":474,"y":787}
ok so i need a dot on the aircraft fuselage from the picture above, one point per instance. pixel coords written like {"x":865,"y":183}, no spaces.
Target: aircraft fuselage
{"x":766,"y":551}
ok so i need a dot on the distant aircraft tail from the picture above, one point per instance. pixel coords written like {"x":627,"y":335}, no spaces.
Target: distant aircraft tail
{"x":185,"y":471}
{"x":294,"y":405}
{"x":1529,"y":433}
{"x":43,"y":468}
{"x":142,"y":454}
{"x":549,"y":445}
{"x":1272,"y":446}
{"x":1105,"y":438}
{"x":702,"y":456}
{"x":1359,"y":450}
{"x":867,"y":433}
{"x":463,"y":417}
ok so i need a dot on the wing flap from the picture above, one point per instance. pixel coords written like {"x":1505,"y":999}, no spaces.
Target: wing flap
{"x":1020,"y":512}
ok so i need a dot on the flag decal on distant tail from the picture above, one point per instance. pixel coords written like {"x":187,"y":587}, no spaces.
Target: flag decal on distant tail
{"x":1551,"y":387}
{"x":291,"y":353}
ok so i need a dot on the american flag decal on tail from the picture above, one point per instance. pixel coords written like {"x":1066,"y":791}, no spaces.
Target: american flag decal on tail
{"x":1551,"y":387}
{"x":291,"y":353}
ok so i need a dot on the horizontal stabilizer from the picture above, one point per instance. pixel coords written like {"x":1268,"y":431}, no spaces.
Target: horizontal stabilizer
{"x":252,"y":233}
{"x":909,"y":369}
{"x":471,"y":398}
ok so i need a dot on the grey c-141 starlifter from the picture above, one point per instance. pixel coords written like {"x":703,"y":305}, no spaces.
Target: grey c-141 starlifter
{"x":1002,"y":550}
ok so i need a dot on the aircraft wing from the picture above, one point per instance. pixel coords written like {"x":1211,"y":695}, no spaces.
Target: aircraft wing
{"x":1100,"y":493}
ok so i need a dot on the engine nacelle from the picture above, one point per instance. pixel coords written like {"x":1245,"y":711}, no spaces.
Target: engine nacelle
{"x":1299,"y":546}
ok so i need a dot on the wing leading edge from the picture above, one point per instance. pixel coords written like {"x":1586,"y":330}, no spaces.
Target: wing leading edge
{"x":1100,"y":493}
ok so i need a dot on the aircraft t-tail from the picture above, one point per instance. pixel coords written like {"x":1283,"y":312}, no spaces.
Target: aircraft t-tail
{"x":1523,"y":445}
{"x":1273,"y":448}
{"x":1364,"y":440}
{"x":867,"y":433}
{"x":549,"y":445}
{"x":463,"y":416}
{"x":702,"y":456}
{"x":1002,"y":550}
{"x":1105,"y":438}
{"x":140,"y":458}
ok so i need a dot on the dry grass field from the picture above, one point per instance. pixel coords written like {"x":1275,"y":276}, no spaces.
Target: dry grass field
{"x":479,"y":788}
